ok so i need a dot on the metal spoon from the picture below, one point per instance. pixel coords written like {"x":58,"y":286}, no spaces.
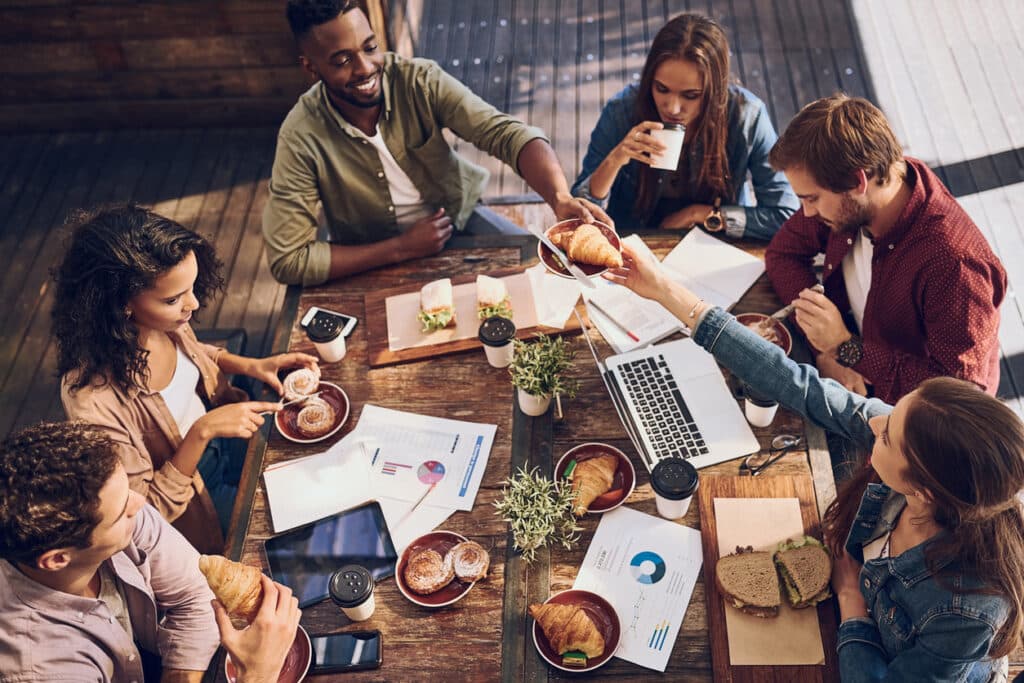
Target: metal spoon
{"x":784,"y":312}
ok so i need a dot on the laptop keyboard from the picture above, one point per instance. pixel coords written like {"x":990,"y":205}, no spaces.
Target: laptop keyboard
{"x":664,"y":417}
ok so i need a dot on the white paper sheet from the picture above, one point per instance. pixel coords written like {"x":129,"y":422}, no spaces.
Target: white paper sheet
{"x":553,"y":297}
{"x":646,"y":567}
{"x":716,"y":271}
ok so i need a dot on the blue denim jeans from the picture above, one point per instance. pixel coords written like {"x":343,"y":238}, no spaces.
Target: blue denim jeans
{"x":221,"y":468}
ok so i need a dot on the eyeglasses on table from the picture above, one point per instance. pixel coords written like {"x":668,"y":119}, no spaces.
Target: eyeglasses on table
{"x":755,"y":463}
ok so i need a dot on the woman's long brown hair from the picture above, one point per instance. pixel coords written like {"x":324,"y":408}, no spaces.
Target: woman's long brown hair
{"x":697,"y":39}
{"x":966,"y":449}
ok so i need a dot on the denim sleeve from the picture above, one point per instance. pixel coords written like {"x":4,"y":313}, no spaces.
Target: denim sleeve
{"x":776,"y":200}
{"x":611,"y":127}
{"x":767,"y":368}
{"x":945,"y":648}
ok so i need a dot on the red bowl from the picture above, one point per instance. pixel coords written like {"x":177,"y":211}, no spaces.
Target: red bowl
{"x":622,"y":485}
{"x":285,"y":419}
{"x":551,"y":261}
{"x":783,"y":340}
{"x":296,"y":662}
{"x":440,"y":542}
{"x":600,"y":612}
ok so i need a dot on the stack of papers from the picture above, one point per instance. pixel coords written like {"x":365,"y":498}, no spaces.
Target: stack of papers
{"x":403,"y":460}
{"x":714,"y":270}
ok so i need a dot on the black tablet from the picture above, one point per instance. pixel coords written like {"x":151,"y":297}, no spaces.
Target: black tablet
{"x":304,"y":558}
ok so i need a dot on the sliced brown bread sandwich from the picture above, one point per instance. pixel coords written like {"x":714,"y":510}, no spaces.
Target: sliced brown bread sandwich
{"x":747,"y":580}
{"x":805,"y":568}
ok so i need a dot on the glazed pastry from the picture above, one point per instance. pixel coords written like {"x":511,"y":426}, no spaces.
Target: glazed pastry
{"x":568,"y":628}
{"x":236,"y":585}
{"x":427,"y":572}
{"x":316,"y":417}
{"x":301,"y":382}
{"x":592,"y":478}
{"x":470,"y":561}
{"x":588,"y":244}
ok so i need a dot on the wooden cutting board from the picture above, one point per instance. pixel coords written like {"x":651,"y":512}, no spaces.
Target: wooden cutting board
{"x":786,"y":486}
{"x":379,"y":352}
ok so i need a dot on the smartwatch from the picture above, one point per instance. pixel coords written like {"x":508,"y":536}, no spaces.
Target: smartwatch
{"x":715,"y":221}
{"x":850,"y":352}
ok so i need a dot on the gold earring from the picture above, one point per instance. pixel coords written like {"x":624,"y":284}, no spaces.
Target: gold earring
{"x":128,"y":313}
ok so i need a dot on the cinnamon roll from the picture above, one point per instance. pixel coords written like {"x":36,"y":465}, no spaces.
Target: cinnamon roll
{"x":470,"y":560}
{"x":427,"y":572}
{"x":301,"y":382}
{"x":315,"y":418}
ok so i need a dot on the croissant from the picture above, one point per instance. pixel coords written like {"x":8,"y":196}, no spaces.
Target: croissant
{"x":237,"y":586}
{"x":588,"y":244}
{"x":592,"y":478}
{"x":569,"y":629}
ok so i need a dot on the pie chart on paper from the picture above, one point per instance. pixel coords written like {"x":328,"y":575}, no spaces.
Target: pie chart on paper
{"x":647,"y":567}
{"x":430,"y":472}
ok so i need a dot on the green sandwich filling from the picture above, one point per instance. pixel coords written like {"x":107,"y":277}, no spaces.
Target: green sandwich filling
{"x":435,"y":321}
{"x":502,"y":310}
{"x":792,"y":593}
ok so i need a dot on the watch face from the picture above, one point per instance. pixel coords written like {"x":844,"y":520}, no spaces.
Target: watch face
{"x":713,"y":223}
{"x":849,"y":352}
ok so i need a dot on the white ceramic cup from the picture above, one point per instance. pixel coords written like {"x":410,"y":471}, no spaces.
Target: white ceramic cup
{"x":671,"y":136}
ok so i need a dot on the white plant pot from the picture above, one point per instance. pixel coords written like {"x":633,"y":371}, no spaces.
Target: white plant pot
{"x":533,"y":405}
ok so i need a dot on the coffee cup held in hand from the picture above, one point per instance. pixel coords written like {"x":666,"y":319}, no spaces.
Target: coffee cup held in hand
{"x":671,"y":136}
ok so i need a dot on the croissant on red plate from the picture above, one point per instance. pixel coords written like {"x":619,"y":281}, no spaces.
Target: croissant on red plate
{"x":588,"y":244}
{"x":591,"y":479}
{"x":569,"y":629}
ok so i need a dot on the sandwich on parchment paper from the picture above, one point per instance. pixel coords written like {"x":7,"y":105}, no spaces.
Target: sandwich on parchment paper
{"x":437,"y":310}
{"x":492,"y":298}
{"x":805,"y":569}
{"x":748,"y":581}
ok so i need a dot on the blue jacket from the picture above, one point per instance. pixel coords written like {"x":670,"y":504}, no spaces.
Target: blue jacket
{"x":751,"y":136}
{"x":918,"y":630}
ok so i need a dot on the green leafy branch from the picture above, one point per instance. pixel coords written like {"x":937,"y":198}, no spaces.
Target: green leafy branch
{"x":539,"y":368}
{"x":538,"y":509}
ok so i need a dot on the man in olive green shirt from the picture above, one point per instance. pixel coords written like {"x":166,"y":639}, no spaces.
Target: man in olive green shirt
{"x":366,"y":141}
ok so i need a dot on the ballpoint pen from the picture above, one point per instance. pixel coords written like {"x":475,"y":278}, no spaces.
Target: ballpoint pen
{"x":632,"y":335}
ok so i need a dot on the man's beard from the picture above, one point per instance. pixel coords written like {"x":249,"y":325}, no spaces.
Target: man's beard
{"x":852,"y":217}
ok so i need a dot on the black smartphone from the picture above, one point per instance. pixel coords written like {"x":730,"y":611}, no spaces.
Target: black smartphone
{"x":341,"y":652}
{"x":347,"y":322}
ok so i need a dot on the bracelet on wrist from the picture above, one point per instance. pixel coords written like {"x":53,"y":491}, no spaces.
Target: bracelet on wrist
{"x":696,"y":309}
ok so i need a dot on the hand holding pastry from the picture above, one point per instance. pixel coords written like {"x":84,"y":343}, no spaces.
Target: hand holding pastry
{"x":265,"y":369}
{"x":259,"y":651}
{"x":238,"y":587}
{"x":234,"y":421}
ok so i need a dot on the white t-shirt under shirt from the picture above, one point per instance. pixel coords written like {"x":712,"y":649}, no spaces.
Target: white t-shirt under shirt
{"x":409,"y":206}
{"x":180,"y":395}
{"x":857,"y":275}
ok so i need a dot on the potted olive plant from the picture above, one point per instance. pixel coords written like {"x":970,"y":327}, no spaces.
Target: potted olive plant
{"x":538,"y":511}
{"x":538,"y":371}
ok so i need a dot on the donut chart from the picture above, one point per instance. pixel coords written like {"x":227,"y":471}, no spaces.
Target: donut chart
{"x":647,"y":567}
{"x":430,"y":472}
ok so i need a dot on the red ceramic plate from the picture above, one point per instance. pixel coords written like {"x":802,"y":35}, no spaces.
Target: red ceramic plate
{"x":599,"y":611}
{"x":551,"y":261}
{"x":296,"y":662}
{"x":440,"y":542}
{"x":622,"y":485}
{"x":782,"y":339}
{"x":333,"y":394}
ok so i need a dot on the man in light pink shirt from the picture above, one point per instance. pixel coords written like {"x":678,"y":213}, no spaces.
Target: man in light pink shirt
{"x":92,"y":578}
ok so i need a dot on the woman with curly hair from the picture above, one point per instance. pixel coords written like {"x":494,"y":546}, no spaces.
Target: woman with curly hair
{"x":685,"y":81}
{"x":130,"y":363}
{"x":928,"y":538}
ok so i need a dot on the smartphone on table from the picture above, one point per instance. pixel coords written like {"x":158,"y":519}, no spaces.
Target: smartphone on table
{"x":341,"y":652}
{"x":347,"y":322}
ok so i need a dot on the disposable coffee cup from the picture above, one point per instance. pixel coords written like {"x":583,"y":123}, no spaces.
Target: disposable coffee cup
{"x":759,"y":409}
{"x":671,"y":136}
{"x":496,"y":335}
{"x":325,"y":333}
{"x":674,"y":481}
{"x":351,"y":589}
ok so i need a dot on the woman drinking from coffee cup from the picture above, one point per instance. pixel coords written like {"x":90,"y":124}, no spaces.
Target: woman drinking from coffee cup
{"x":685,"y":84}
{"x":928,"y":538}
{"x":130,"y":363}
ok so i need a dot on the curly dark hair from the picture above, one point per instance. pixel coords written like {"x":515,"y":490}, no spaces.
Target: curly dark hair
{"x":113,"y":254}
{"x":305,"y":14}
{"x":50,"y":480}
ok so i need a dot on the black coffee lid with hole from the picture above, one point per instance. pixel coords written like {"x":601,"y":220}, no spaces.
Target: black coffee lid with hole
{"x":351,"y":585}
{"x":324,"y":327}
{"x":497,"y":331}
{"x":674,"y":478}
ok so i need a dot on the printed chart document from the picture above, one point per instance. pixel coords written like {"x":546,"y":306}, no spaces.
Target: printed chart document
{"x":646,"y":567}
{"x":648,"y":320}
{"x":714,"y":270}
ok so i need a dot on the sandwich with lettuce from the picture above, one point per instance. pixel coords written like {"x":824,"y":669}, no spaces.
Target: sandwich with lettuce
{"x":492,"y":298}
{"x":437,"y":310}
{"x":805,"y":569}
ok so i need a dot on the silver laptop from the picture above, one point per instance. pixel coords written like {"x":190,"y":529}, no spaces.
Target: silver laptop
{"x":674,"y":402}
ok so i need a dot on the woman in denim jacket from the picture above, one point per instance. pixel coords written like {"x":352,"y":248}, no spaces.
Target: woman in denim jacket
{"x":728,"y":133}
{"x":930,"y":577}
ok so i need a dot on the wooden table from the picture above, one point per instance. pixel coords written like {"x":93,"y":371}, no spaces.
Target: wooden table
{"x":485,"y":635}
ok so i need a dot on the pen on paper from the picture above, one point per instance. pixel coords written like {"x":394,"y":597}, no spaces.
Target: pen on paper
{"x":416,"y":504}
{"x":632,"y":335}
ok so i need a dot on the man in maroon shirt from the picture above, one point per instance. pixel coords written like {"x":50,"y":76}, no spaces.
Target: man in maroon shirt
{"x":912,"y":289}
